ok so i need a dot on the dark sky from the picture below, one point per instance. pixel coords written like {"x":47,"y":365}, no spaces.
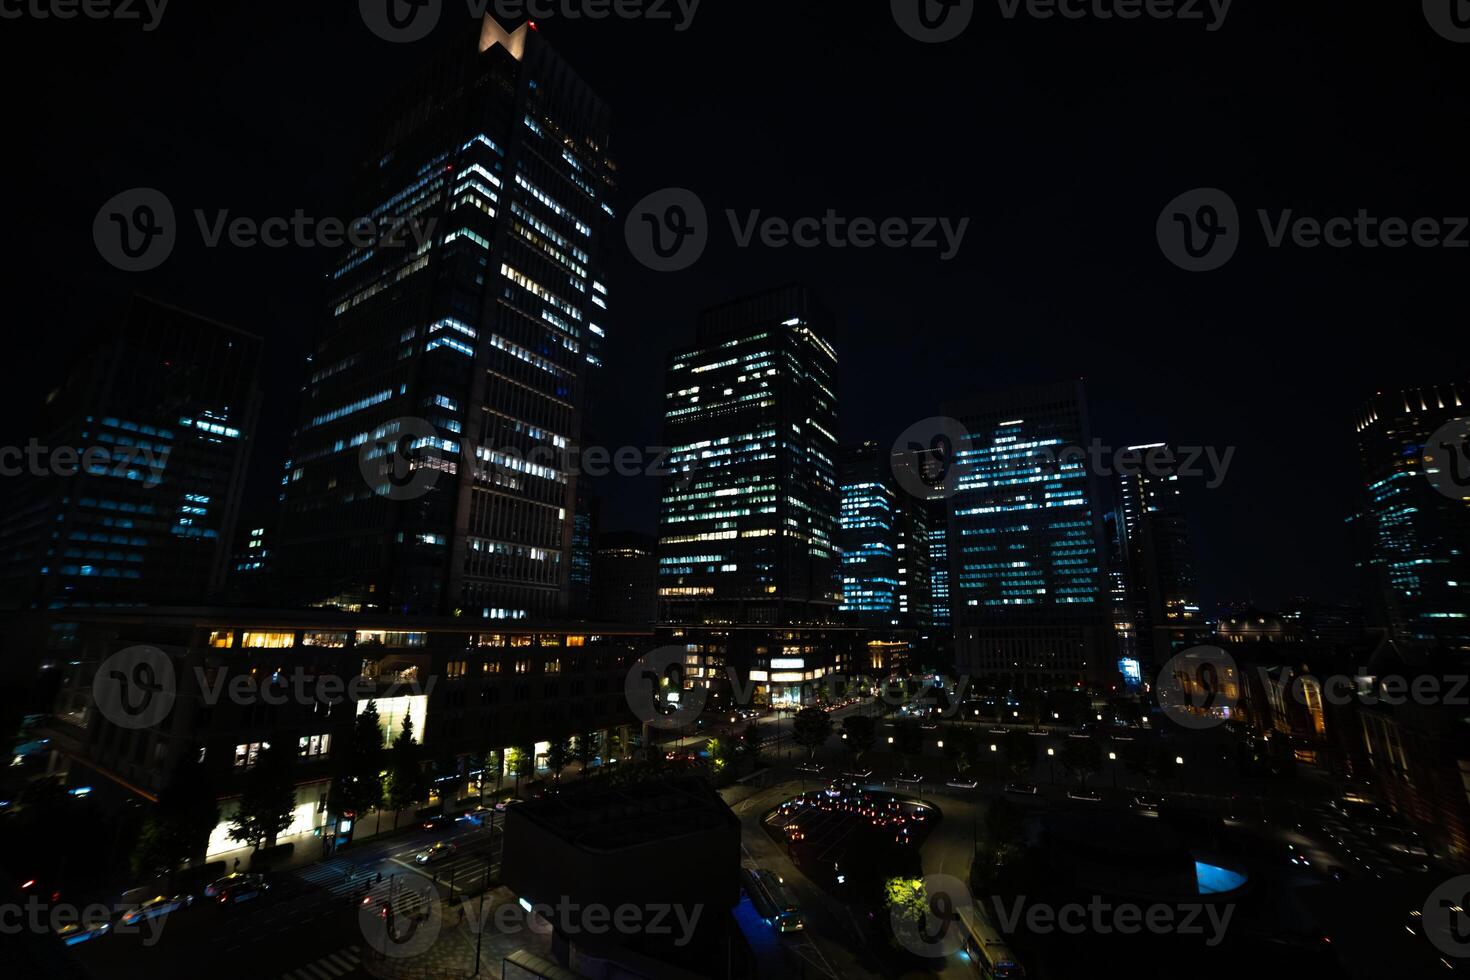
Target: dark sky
{"x":1062,"y":141}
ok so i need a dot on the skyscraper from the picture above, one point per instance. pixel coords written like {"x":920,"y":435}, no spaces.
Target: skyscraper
{"x":430,"y":470}
{"x":1026,"y":542}
{"x":884,"y":543}
{"x":748,"y":522}
{"x":1416,"y":537}
{"x":132,"y":495}
{"x":625,"y":578}
{"x":1158,"y":562}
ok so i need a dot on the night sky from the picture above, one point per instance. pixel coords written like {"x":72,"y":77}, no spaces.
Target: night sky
{"x":1062,"y":141}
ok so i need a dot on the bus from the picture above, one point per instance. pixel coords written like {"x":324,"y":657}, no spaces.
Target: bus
{"x":989,"y":955}
{"x":769,"y":895}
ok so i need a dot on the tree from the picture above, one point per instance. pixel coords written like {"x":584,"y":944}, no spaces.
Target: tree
{"x":750,"y":745}
{"x":1003,"y":824}
{"x":487,"y":762}
{"x":358,"y":786}
{"x":908,"y":741}
{"x":962,"y":747}
{"x":1020,"y":750}
{"x":521,"y":762}
{"x":1143,"y":759}
{"x":810,"y":729}
{"x":178,"y":827}
{"x":407,"y":783}
{"x":908,"y":897}
{"x":722,"y":754}
{"x":586,"y":750}
{"x":558,"y":754}
{"x":859,"y":733}
{"x":1081,"y":757}
{"x":268,"y":799}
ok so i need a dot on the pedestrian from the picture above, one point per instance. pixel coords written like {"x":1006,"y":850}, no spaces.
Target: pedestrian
{"x":461,"y":913}
{"x":237,"y":864}
{"x":380,"y":877}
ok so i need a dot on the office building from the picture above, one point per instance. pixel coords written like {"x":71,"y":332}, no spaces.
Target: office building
{"x":1416,"y":538}
{"x":131,"y":493}
{"x":884,"y":542}
{"x":431,"y":468}
{"x":1157,"y":561}
{"x":748,"y":519}
{"x":1025,"y":537}
{"x":625,"y":578}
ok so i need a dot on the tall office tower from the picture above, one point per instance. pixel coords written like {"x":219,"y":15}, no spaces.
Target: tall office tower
{"x":868,"y":536}
{"x":884,"y":543}
{"x":625,"y":578}
{"x":748,"y":520}
{"x":131,"y":493}
{"x":584,"y":537}
{"x":937,"y":534}
{"x":748,"y":523}
{"x":1417,"y":535}
{"x":1026,"y":543}
{"x":429,"y":471}
{"x":1157,"y":559}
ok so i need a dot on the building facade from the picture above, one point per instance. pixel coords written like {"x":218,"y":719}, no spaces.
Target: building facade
{"x":1416,"y":559}
{"x":133,"y":493}
{"x":1025,"y":542}
{"x":625,"y":578}
{"x":432,"y":469}
{"x":884,"y":542}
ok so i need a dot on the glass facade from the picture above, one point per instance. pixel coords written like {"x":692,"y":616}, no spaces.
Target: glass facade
{"x":481,"y":328}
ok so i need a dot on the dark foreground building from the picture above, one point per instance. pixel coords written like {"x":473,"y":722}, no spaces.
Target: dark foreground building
{"x":228,"y":682}
{"x":666,"y":852}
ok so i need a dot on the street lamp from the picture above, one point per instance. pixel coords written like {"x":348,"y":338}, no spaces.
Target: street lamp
{"x":1052,"y":764}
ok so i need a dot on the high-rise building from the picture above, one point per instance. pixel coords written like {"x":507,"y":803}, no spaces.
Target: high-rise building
{"x":884,"y":543}
{"x":625,"y":578}
{"x":936,"y":533}
{"x":1157,"y":559}
{"x":748,"y":522}
{"x":748,"y":564}
{"x":1416,"y":537}
{"x":131,"y":493}
{"x":430,"y":471}
{"x":1025,"y":540}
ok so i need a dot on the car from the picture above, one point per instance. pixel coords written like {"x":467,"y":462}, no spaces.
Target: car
{"x":80,"y":932}
{"x":242,"y":889}
{"x":963,"y":783}
{"x":439,"y":821}
{"x":1145,"y":803}
{"x":435,"y":853}
{"x":1022,"y":789}
{"x":811,"y":767}
{"x":504,"y":805}
{"x":213,"y":888}
{"x":158,"y":905}
{"x":1084,"y":795}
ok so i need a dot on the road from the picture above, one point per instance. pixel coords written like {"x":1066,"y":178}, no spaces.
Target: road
{"x":309,"y":924}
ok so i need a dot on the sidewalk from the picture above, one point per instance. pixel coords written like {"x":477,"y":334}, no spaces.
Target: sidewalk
{"x":452,"y":955}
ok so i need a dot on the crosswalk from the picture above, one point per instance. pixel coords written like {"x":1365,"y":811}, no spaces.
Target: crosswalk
{"x":344,"y":962}
{"x":339,"y":876}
